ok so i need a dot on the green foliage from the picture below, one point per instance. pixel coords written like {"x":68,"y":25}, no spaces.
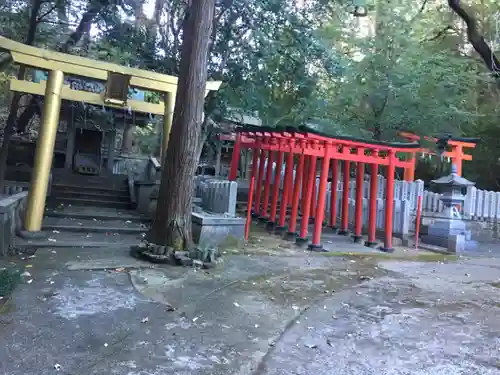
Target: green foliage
{"x":406,"y":66}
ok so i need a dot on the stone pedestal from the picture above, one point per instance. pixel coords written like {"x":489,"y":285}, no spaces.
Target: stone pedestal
{"x":215,"y":230}
{"x":449,"y":230}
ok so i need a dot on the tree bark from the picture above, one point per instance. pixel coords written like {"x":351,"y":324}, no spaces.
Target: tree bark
{"x":172,"y":222}
{"x":476,"y":39}
{"x":14,"y":104}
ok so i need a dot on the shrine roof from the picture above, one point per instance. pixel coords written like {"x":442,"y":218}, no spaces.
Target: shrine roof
{"x":304,"y":130}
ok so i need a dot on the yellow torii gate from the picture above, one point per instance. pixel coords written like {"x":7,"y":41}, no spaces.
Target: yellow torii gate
{"x":118,"y":79}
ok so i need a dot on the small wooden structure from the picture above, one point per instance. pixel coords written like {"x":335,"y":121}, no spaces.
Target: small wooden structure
{"x":300,"y":150}
{"x":117,"y":81}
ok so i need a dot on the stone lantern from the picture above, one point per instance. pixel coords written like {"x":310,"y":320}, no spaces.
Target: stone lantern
{"x":448,"y":229}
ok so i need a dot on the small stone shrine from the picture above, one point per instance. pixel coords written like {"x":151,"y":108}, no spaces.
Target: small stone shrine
{"x":449,"y":230}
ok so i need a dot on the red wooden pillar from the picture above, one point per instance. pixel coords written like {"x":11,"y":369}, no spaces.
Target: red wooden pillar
{"x":409,"y":173}
{"x":291,"y":234}
{"x":258,"y":183}
{"x":457,"y":159}
{"x":267,"y":187}
{"x":302,"y":238}
{"x":389,"y":203}
{"x":235,"y":159}
{"x":372,"y":211}
{"x":276,"y":189}
{"x":314,"y":196}
{"x":287,"y":186}
{"x":251,"y":192}
{"x":344,"y":223}
{"x":290,"y":184}
{"x":333,"y":194}
{"x":320,"y":208}
{"x":305,"y":177}
{"x":358,"y":213}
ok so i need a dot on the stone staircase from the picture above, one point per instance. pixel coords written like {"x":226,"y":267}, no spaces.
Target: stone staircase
{"x":89,"y":211}
{"x":109,"y":191}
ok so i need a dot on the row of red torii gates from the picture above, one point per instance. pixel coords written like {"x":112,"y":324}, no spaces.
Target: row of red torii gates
{"x":301,"y":149}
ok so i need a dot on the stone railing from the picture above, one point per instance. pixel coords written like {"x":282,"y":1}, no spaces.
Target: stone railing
{"x":135,"y":164}
{"x":13,"y":187}
{"x":153,"y":169}
{"x":217,"y":196}
{"x":11,"y":213}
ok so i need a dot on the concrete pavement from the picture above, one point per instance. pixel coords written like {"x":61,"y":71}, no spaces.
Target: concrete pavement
{"x":265,"y":310}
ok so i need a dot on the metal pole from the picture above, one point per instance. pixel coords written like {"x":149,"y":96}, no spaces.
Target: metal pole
{"x":44,"y":153}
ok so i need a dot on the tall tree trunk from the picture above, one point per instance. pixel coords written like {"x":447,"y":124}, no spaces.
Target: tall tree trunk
{"x":14,"y":104}
{"x":172,"y":223}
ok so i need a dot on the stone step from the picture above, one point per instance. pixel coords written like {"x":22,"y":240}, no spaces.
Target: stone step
{"x":94,"y":225}
{"x":97,"y":213}
{"x":85,"y":194}
{"x":75,"y":228}
{"x":108,"y":185}
{"x":79,"y":240}
{"x":89,"y":202}
{"x":90,"y":188}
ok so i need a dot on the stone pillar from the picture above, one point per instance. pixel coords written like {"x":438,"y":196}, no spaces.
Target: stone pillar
{"x":217,"y":158}
{"x":44,"y":152}
{"x":111,"y":138}
{"x":70,"y":146}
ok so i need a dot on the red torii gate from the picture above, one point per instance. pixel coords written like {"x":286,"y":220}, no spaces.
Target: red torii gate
{"x":277,"y":144}
{"x":456,"y":146}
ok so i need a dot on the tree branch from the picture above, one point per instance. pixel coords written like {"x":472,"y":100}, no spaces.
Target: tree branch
{"x":440,"y":34}
{"x":41,"y":17}
{"x":476,"y":39}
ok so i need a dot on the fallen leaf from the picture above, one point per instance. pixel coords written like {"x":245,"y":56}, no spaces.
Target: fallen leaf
{"x":145,"y":320}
